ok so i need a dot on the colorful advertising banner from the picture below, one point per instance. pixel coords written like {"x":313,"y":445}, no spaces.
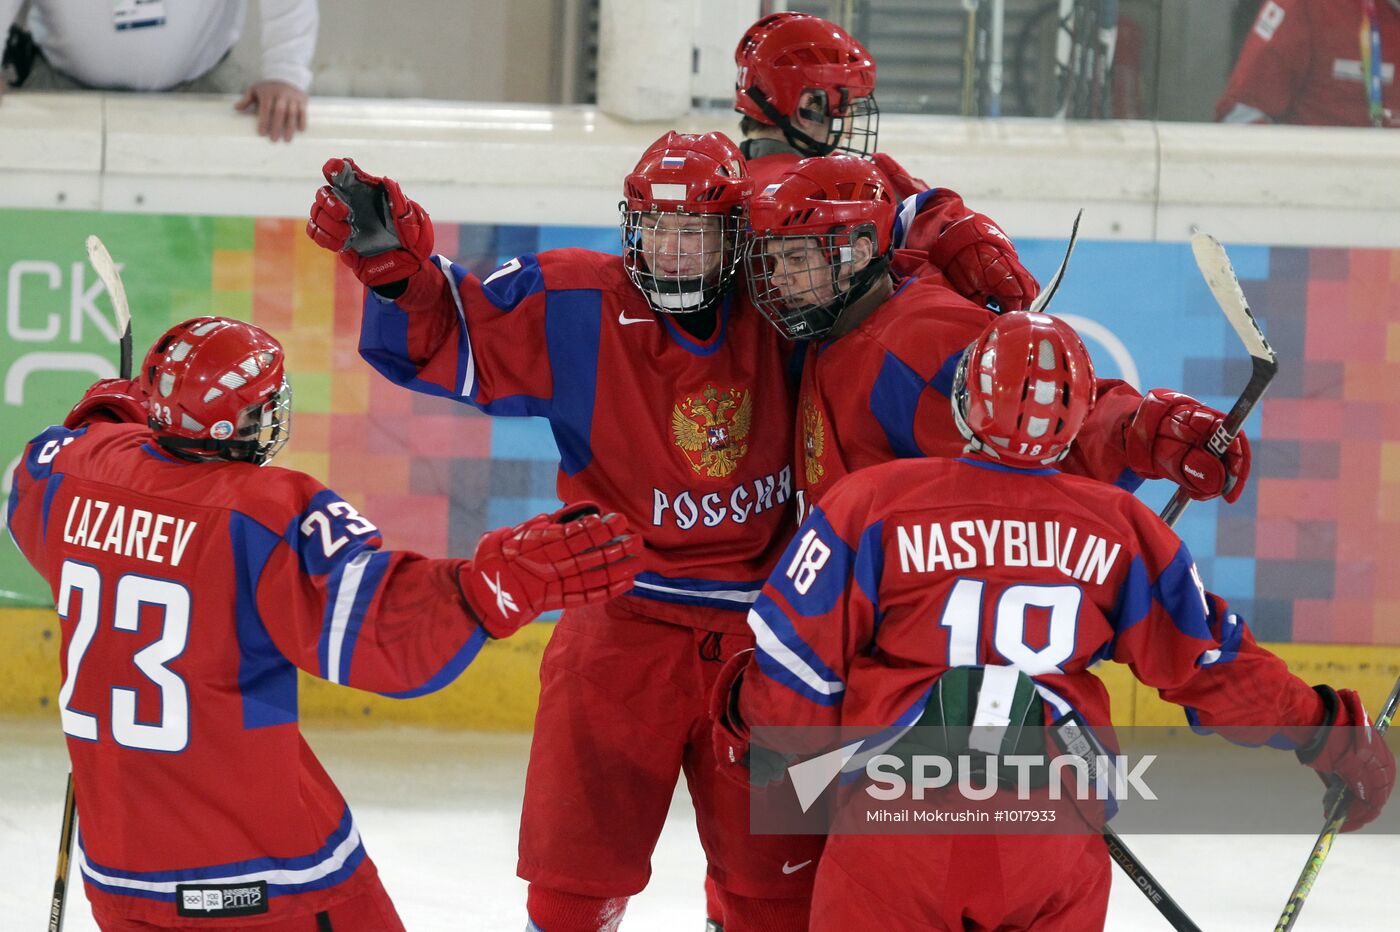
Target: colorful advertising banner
{"x":1302,"y":555}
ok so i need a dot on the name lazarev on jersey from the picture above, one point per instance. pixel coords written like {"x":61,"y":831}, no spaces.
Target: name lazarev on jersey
{"x":135,"y":532}
{"x":966,"y":545}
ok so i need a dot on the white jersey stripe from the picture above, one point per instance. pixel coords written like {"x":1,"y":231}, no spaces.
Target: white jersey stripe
{"x":332,"y":863}
{"x":340,"y":618}
{"x":723,"y":595}
{"x":770,"y":644}
{"x":469,"y":375}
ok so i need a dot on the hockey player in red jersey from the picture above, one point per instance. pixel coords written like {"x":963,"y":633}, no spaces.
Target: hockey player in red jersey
{"x":672,"y":403}
{"x":806,"y":88}
{"x":191,"y":585}
{"x":1314,"y":62}
{"x":917,"y":569}
{"x":883,"y":349}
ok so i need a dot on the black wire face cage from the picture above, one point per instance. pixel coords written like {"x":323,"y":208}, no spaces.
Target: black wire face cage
{"x":801,"y":284}
{"x":267,"y":428}
{"x":856,"y":127}
{"x":959,"y":399}
{"x":682,"y":262}
{"x":274,"y":427}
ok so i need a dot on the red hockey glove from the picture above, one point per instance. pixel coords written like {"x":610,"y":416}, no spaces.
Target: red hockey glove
{"x":1349,"y":755}
{"x":1167,"y":437}
{"x":380,"y":234}
{"x":571,"y":557}
{"x":729,"y":733}
{"x":981,"y":264}
{"x":903,"y":183}
{"x":738,"y":758}
{"x":119,"y":401}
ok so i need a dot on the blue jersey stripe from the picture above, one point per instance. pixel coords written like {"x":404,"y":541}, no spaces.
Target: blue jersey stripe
{"x":820,"y":561}
{"x":870,"y":563}
{"x":710,"y":593}
{"x":1177,"y":591}
{"x":50,"y":490}
{"x":453,"y":668}
{"x":267,"y":680}
{"x":321,"y":857}
{"x":573,"y":332}
{"x":371,"y":578}
{"x":784,"y":657}
{"x":908,"y":210}
{"x":894,"y":400}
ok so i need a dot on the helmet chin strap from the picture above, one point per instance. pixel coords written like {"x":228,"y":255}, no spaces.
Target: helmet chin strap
{"x":859,"y":283}
{"x":799,"y":140}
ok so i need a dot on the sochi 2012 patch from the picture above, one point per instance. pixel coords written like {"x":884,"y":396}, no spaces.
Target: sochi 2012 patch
{"x":213,"y":900}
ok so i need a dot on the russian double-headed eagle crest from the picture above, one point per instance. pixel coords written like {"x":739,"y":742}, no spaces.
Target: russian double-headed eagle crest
{"x":713,"y":429}
{"x":813,"y":443}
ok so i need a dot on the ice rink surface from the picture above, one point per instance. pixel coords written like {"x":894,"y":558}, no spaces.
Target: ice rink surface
{"x":439,"y":812}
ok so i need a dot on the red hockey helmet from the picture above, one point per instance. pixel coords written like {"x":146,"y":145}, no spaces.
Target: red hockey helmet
{"x":217,"y":389}
{"x":1023,"y":389}
{"x":782,"y":55}
{"x":682,"y":219}
{"x":820,"y":239}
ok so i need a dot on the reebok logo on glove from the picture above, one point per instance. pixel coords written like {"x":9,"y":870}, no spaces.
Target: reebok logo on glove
{"x":575,"y":556}
{"x":505,"y":604}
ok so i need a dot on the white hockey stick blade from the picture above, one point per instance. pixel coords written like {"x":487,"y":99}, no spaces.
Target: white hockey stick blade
{"x":1220,"y":277}
{"x":106,"y":270}
{"x":1048,"y":292}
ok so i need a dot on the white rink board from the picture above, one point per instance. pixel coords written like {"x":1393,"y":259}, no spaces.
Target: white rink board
{"x":439,"y":813}
{"x":499,"y":163}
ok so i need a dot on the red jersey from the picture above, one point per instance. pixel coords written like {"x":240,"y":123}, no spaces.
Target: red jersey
{"x":1303,"y":62}
{"x":912,"y":567}
{"x":883,"y":391}
{"x":189,"y":595}
{"x":690,"y":439}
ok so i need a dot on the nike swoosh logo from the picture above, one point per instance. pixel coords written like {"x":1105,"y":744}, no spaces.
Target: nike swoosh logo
{"x":794,"y":868}
{"x":623,"y":319}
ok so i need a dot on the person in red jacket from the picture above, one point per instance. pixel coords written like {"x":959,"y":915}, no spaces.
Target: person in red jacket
{"x":806,"y":88}
{"x":882,"y":349}
{"x":192,"y":584}
{"x":1318,"y":63}
{"x":979,"y":592}
{"x":671,"y":402}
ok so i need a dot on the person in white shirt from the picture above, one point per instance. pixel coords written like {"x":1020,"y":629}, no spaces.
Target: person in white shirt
{"x":174,"y":45}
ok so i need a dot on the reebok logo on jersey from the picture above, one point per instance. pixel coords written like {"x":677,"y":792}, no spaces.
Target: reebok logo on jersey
{"x":1270,"y":18}
{"x":794,"y":868}
{"x":623,"y":319}
{"x":505,"y":602}
{"x":209,"y":901}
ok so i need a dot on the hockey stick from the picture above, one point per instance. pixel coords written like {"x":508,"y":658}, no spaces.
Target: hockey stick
{"x":1048,"y":292}
{"x":1220,"y":276}
{"x":1074,"y":737}
{"x":106,"y":270}
{"x":65,"y":852}
{"x":1336,"y":817}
